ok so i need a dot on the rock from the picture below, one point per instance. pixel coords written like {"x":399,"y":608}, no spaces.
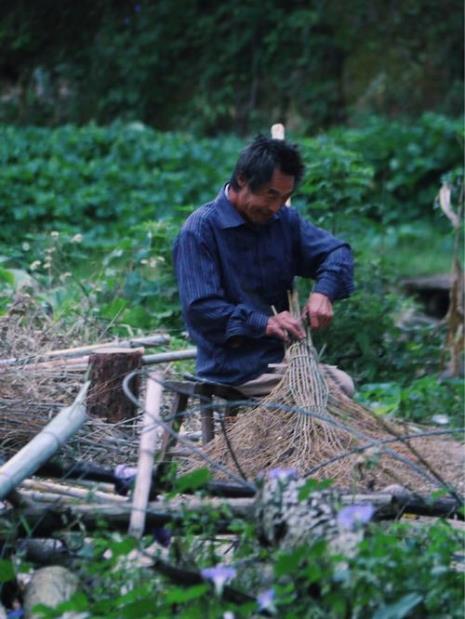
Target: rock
{"x":49,"y":586}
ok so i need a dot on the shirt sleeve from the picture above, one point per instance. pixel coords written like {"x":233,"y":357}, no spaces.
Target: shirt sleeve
{"x":325,"y":259}
{"x":205,"y":307}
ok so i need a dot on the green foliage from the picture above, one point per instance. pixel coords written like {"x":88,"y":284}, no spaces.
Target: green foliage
{"x":419,"y":400}
{"x":396,"y":571}
{"x":94,"y":179}
{"x":408,"y":161}
{"x":337,"y":182}
{"x":209,"y":68}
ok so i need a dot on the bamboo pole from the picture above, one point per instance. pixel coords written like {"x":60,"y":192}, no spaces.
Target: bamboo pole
{"x":146,"y":453}
{"x":166,"y":357}
{"x":81,"y":351}
{"x":44,"y":445}
{"x":80,"y":363}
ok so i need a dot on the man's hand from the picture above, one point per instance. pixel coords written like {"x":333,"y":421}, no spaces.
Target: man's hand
{"x":318,"y":311}
{"x":284,"y":325}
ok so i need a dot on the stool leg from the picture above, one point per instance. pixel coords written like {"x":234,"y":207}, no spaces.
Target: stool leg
{"x":206,"y":419}
{"x":231,"y":410}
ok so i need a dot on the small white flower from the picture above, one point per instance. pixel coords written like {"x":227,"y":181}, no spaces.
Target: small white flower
{"x":77,"y":238}
{"x":35,"y":265}
{"x":25,"y":246}
{"x":54,"y":234}
{"x":144,"y":261}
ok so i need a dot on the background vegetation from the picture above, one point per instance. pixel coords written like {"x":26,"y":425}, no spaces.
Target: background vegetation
{"x":210,"y":67}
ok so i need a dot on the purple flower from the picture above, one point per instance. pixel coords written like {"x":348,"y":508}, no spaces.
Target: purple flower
{"x":282,"y":474}
{"x":125,"y":472}
{"x":266,"y":600}
{"x":219,"y":575}
{"x":137,"y":8}
{"x":352,"y":516}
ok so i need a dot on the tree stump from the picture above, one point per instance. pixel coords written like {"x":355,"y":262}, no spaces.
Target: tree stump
{"x":106,"y":397}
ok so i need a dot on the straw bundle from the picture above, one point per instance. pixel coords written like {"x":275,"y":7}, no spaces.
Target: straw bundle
{"x":307,"y":421}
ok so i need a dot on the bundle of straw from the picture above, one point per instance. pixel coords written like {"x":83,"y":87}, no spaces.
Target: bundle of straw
{"x":308,"y":423}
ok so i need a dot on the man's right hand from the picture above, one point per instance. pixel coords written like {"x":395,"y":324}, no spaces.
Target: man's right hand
{"x":284,"y":326}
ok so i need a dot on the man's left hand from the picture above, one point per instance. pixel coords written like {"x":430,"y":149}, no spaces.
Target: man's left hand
{"x":318,"y":311}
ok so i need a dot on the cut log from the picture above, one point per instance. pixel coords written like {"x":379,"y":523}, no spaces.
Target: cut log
{"x":108,"y":369}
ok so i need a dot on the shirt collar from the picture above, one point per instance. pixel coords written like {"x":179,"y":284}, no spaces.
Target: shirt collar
{"x":228,"y":216}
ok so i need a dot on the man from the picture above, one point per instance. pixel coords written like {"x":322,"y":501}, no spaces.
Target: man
{"x":236,"y":259}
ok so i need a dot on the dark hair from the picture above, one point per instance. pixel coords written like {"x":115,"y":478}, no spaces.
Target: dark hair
{"x":257,"y":162}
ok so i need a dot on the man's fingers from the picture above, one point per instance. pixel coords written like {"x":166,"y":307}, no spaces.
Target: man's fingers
{"x":284,"y":325}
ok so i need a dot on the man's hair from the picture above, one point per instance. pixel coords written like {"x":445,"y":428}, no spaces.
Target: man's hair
{"x":259,"y":159}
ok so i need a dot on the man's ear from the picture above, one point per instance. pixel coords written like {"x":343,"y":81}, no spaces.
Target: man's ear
{"x":241,"y":181}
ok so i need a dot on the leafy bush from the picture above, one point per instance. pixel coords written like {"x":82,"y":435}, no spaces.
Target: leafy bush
{"x":104,"y":180}
{"x":408,"y":160}
{"x":396,"y":572}
{"x":337,"y":182}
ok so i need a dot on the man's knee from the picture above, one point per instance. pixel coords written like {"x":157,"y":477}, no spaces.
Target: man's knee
{"x":342,"y":379}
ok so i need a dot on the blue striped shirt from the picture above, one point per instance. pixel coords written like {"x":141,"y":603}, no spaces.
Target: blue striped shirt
{"x":231,"y":272}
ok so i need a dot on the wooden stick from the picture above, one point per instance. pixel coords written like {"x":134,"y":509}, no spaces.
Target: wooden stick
{"x":63,"y":491}
{"x":44,"y":445}
{"x":146,"y":454}
{"x":278,"y":133}
{"x":80,"y":363}
{"x":80,"y":351}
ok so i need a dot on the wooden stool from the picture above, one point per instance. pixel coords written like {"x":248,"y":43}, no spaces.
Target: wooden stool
{"x":205,"y":392}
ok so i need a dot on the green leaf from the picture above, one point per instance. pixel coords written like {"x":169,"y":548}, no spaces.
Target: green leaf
{"x":312,"y":485}
{"x":7,"y":571}
{"x":289,"y":562}
{"x":192,"y":481}
{"x":7,"y":276}
{"x":179,"y":595}
{"x":400,"y":608}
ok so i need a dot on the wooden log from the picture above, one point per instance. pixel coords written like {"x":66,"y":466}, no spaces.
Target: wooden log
{"x":146,"y":453}
{"x":39,"y":518}
{"x":108,"y":369}
{"x":42,"y":447}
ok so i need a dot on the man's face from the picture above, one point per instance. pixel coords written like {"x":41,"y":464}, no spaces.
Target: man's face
{"x":258,"y":207}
